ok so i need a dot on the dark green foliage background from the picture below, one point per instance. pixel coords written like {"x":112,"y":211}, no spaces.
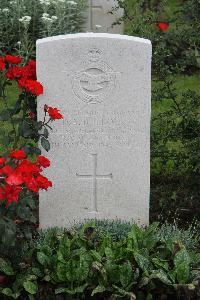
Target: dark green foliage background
{"x":175,"y":130}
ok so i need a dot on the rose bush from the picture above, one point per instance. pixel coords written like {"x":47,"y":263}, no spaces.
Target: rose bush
{"x":21,"y":163}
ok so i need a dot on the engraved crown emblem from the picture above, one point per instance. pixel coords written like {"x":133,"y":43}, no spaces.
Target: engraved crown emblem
{"x":94,"y":54}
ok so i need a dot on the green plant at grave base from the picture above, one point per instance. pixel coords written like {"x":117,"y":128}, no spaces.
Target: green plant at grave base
{"x":21,"y":164}
{"x":81,"y":264}
{"x":117,"y":229}
{"x":22,"y":22}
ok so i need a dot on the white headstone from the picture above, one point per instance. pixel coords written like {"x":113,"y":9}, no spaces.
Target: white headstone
{"x":100,"y":151}
{"x":102,"y":14}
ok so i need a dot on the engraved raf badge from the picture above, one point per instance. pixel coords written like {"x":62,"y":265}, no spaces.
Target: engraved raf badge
{"x":96,"y":81}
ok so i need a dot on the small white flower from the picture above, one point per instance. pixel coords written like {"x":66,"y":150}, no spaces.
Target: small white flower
{"x":25,"y":20}
{"x":5,"y":10}
{"x":45,"y":15}
{"x":13,"y":2}
{"x":45,"y":2}
{"x":46,"y":18}
{"x":71,"y":3}
{"x":54,"y":18}
{"x":19,"y":43}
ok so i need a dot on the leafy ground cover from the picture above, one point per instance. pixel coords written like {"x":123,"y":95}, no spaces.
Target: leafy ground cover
{"x":87,"y":262}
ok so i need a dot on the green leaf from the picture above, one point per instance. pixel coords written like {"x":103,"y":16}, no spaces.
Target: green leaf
{"x":42,"y":258}
{"x":181,"y":256}
{"x":46,"y":133}
{"x":5,"y":267}
{"x":160,"y":263}
{"x":61,"y":271}
{"x":142,"y":261}
{"x":161,"y":275}
{"x":133,"y":237}
{"x":36,"y":150}
{"x":25,"y":129}
{"x":183,"y":272}
{"x":61,"y":291}
{"x":126,"y":274}
{"x":144,"y":281}
{"x":8,"y":292}
{"x":109,"y":253}
{"x":76,"y":290}
{"x":38,"y":125}
{"x":84,"y":267}
{"x":151,"y":228}
{"x":30,"y":287}
{"x":182,"y":266}
{"x":120,"y":291}
{"x":98,"y":289}
{"x":45,"y":144}
{"x":96,"y":255}
{"x":47,"y":278}
{"x":36,"y":272}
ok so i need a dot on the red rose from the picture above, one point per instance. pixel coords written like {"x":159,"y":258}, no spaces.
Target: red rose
{"x":22,"y":82}
{"x":12,"y":59}
{"x":43,"y":182}
{"x":18,"y":154}
{"x":34,"y":87}
{"x":43,"y":161}
{"x":31,"y":86}
{"x":31,"y":69}
{"x":2,"y":160}
{"x":31,"y":184}
{"x":13,"y":73}
{"x":7,"y":170}
{"x":2,"y":64}
{"x":12,"y":193}
{"x":28,"y":167}
{"x":163,"y":26}
{"x":54,"y":113}
{"x":14,"y":179}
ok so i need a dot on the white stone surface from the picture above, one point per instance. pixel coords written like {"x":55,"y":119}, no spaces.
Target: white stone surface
{"x":100,"y":152}
{"x":101,"y":15}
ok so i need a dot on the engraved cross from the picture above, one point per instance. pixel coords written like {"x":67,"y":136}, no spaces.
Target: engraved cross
{"x":94,"y":176}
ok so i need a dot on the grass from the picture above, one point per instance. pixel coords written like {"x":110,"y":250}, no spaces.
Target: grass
{"x":181,"y":83}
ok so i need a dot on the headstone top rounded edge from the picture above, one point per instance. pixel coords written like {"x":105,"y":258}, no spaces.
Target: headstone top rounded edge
{"x":93,"y":35}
